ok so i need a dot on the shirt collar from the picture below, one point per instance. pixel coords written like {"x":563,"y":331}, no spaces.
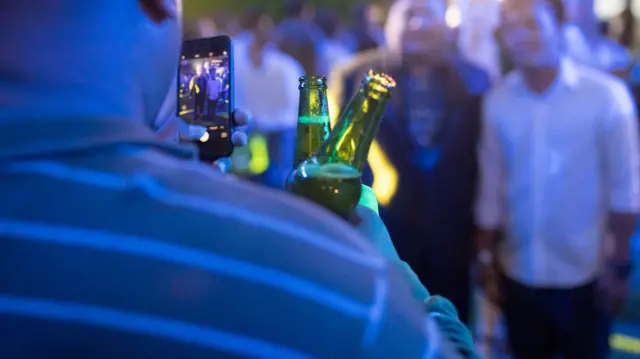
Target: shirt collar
{"x":567,"y":75}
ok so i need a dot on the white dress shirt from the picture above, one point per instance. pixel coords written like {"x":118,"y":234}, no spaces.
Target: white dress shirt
{"x":552,"y":167}
{"x":269,"y":92}
{"x":214,"y":87}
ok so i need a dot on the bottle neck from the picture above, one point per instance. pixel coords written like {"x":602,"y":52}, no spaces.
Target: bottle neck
{"x":313,"y":106}
{"x":355,"y":130}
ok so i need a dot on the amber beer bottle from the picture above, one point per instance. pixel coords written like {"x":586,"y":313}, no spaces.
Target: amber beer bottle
{"x":313,"y":117}
{"x":332,"y":177}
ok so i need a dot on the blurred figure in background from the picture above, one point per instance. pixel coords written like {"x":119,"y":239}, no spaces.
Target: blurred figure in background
{"x":261,"y":70}
{"x":299,"y":16}
{"x":429,"y":135}
{"x":560,"y":172}
{"x":299,"y":44}
{"x":476,"y":38}
{"x":366,"y":32}
{"x":586,"y":42}
{"x":628,"y":19}
{"x":335,"y":51}
{"x":200,"y":28}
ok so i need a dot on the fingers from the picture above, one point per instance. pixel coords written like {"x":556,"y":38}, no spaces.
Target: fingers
{"x":241,"y":118}
{"x":239,"y":137}
{"x":222,"y":164}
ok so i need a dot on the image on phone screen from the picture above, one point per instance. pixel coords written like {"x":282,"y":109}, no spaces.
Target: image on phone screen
{"x":204,"y":89}
{"x":205,"y":93}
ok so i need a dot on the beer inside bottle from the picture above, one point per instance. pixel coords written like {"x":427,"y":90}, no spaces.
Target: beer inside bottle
{"x":332,"y":177}
{"x":313,"y":117}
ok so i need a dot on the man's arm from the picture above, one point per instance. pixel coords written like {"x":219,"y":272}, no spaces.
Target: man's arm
{"x":490,"y":197}
{"x":621,"y":161}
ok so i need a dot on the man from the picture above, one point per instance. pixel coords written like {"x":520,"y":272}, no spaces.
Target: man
{"x":198,"y":90}
{"x":559,"y":174}
{"x":261,"y":71}
{"x":428,"y":134}
{"x":214,"y":89}
{"x":114,"y":244}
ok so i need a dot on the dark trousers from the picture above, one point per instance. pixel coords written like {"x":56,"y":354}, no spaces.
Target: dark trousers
{"x":212,"y":107}
{"x":545,"y":323}
{"x":199,"y":105}
{"x":440,"y":258}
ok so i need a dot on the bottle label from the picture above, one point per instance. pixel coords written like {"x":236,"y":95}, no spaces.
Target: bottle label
{"x":313,"y":119}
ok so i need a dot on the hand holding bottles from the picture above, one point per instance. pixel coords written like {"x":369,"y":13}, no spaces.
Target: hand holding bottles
{"x":332,"y":177}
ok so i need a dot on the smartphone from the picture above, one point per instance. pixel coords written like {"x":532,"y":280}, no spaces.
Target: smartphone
{"x":205,"y":93}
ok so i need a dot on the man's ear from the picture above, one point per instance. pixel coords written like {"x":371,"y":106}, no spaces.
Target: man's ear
{"x":156,"y":10}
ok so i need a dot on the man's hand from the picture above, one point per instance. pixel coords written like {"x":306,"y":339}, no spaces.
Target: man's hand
{"x":485,"y":271}
{"x":487,"y":277}
{"x":614,"y":290}
{"x":238,"y":137}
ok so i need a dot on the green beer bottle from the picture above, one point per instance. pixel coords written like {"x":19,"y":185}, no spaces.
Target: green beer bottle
{"x":313,"y":117}
{"x":332,"y":177}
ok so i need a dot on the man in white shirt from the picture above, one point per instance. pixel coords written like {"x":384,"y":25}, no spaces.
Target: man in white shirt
{"x":267,"y":86}
{"x":559,"y":172}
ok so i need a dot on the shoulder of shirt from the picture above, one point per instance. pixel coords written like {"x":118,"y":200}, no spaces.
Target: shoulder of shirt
{"x":475,"y":79}
{"x":605,"y":84}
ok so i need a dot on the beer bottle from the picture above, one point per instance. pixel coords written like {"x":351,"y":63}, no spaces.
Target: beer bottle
{"x":313,"y":117}
{"x":332,"y":177}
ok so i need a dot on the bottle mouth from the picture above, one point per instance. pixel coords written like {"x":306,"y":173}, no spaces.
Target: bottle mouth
{"x":378,"y":83}
{"x":314,"y":81}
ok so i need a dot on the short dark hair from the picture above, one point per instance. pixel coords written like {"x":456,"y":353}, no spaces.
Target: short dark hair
{"x":328,"y":21}
{"x":294,"y":7}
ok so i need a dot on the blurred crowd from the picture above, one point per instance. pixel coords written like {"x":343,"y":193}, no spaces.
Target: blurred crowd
{"x":432,"y":179}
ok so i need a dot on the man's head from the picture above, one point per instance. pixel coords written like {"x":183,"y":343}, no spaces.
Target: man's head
{"x":417,"y":29}
{"x":299,"y":9}
{"x":136,"y":45}
{"x":328,"y":21}
{"x":530,"y":31}
{"x":260,"y":24}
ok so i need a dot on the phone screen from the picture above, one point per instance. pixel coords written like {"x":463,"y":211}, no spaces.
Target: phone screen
{"x":205,"y":93}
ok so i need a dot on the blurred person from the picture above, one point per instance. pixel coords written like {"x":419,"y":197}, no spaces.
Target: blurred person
{"x":586,"y":42}
{"x":428,"y":134}
{"x":266,"y":85}
{"x":365,"y":34}
{"x":476,"y":38}
{"x":200,"y":28}
{"x":198,"y":90}
{"x":299,"y":20}
{"x":214,"y":90}
{"x":335,"y":51}
{"x":115,"y":243}
{"x":629,"y":21}
{"x":298,"y":43}
{"x":559,"y":167}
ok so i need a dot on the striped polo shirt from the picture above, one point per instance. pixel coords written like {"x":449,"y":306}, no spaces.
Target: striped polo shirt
{"x":113,"y":245}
